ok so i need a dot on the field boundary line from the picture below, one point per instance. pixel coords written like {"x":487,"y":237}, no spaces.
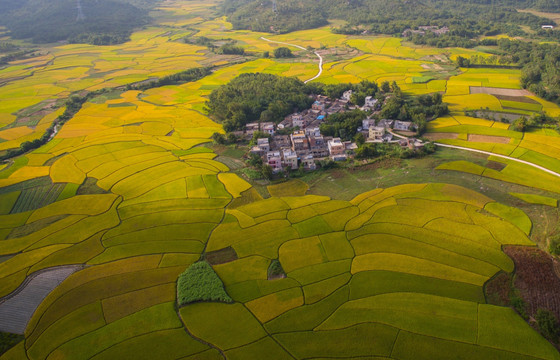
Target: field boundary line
{"x":302,"y":48}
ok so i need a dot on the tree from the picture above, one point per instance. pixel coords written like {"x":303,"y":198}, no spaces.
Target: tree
{"x":365,"y":151}
{"x":267,"y":171}
{"x":218,"y":138}
{"x":360,"y":139}
{"x":266,"y":54}
{"x":520,"y":124}
{"x":463,"y":62}
{"x":548,"y":324}
{"x":283,"y":52}
{"x":255,"y":160}
{"x":385,"y":87}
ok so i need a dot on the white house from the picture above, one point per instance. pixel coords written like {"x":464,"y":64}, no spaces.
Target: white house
{"x":290,"y":159}
{"x":370,"y":101}
{"x":402,"y":125}
{"x":347,"y":95}
{"x":308,"y":162}
{"x":376,"y":132}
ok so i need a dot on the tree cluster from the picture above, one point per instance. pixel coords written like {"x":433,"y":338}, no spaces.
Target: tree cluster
{"x":189,"y":75}
{"x":257,"y":97}
{"x":283,"y":52}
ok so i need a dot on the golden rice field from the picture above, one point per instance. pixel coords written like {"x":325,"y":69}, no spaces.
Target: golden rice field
{"x":128,"y":189}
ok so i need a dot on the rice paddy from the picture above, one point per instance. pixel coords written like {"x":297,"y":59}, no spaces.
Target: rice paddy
{"x":128,"y":188}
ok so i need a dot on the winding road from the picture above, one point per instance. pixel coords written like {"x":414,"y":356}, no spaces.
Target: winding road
{"x":302,"y":48}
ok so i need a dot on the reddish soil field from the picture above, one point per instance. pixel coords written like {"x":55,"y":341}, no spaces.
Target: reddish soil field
{"x":536,"y":279}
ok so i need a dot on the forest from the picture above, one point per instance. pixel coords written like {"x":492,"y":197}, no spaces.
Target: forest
{"x":464,"y":18}
{"x":100,"y":22}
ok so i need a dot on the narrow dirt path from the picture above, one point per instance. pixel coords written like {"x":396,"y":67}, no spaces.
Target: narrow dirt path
{"x":302,"y":48}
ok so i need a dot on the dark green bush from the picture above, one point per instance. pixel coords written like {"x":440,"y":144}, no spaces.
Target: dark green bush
{"x":200,"y":283}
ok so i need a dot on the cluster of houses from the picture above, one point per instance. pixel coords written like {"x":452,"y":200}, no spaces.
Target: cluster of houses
{"x":306,"y":145}
{"x":422,"y":30}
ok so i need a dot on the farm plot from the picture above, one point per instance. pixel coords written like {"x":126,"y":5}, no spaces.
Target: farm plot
{"x":402,"y":274}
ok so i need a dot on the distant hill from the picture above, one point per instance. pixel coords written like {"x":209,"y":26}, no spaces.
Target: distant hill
{"x":100,"y":22}
{"x":383,"y":16}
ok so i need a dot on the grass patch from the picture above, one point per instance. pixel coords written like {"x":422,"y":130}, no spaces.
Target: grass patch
{"x":536,"y":199}
{"x":200,"y":283}
{"x":292,"y":187}
{"x":7,"y":341}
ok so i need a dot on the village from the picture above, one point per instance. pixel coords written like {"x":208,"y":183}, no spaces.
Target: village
{"x":305,"y":146}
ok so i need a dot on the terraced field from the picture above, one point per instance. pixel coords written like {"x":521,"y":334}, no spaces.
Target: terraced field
{"x":128,"y":189}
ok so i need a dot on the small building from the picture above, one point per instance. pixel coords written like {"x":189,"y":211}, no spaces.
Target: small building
{"x":263,"y":144}
{"x":308,"y":162}
{"x":251,"y":128}
{"x":337,"y":150}
{"x":274,"y":160}
{"x":299,"y":121}
{"x":318,"y":106}
{"x":402,"y":125}
{"x":321,"y":118}
{"x":299,"y":141}
{"x":548,"y":27}
{"x":290,"y":159}
{"x":367,"y":123}
{"x":267,"y":127}
{"x":350,"y":147}
{"x":257,"y":150}
{"x":347,"y":95}
{"x":370,"y":102}
{"x":312,"y":132}
{"x":281,"y":141}
{"x":386,"y":123}
{"x":318,"y":147}
{"x":376,"y":133}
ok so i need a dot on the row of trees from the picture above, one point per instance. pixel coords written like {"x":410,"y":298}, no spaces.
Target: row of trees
{"x":193,"y":74}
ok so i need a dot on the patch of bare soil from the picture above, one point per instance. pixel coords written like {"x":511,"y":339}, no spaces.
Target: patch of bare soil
{"x":499,"y":91}
{"x":535,"y":278}
{"x":494,"y":165}
{"x":498,"y":289}
{"x":221,"y":256}
{"x":489,"y":139}
{"x":522,"y":99}
{"x":439,"y":136}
